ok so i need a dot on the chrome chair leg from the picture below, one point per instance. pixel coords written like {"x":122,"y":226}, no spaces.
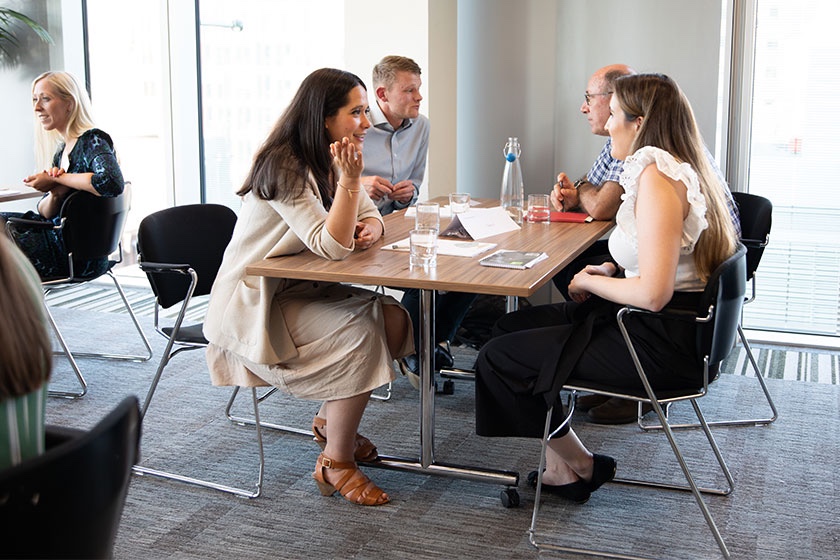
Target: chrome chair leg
{"x":765,"y":421}
{"x":246,"y":421}
{"x":241,"y":492}
{"x":146,"y":356}
{"x":79,"y":377}
{"x":386,"y":396}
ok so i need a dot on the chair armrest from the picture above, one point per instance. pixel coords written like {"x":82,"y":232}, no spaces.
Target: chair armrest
{"x":670,"y":314}
{"x":23,"y":223}
{"x":147,"y":266}
{"x":754,"y":243}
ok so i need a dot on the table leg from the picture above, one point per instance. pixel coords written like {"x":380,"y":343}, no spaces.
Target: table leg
{"x":427,"y":463}
{"x":427,"y":377}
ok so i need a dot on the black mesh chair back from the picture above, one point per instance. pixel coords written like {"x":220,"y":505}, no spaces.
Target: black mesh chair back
{"x":94,"y":224}
{"x":756,"y":214}
{"x":194,"y":235}
{"x":724,"y":297}
{"x":67,"y":503}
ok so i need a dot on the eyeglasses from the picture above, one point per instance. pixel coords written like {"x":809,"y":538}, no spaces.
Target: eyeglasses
{"x":589,"y":96}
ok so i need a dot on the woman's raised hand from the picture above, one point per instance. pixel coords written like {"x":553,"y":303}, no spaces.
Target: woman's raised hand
{"x":348,"y":158}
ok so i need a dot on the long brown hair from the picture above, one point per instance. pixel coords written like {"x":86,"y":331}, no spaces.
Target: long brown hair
{"x":299,"y":143}
{"x":669,"y":124}
{"x":25,"y":347}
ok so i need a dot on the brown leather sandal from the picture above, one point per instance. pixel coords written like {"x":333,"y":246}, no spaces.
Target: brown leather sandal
{"x":365,"y":451}
{"x":353,"y":484}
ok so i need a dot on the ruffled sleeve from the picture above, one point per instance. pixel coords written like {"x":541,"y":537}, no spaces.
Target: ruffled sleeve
{"x":694,"y":223}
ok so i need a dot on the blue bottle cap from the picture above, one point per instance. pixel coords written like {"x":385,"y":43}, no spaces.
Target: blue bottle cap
{"x":510,"y":157}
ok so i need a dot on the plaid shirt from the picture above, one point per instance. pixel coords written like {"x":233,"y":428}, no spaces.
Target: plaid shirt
{"x":607,"y":168}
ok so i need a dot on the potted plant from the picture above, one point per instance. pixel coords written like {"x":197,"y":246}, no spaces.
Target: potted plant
{"x":8,"y":19}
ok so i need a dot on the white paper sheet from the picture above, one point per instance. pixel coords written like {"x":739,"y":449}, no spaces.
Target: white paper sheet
{"x":482,"y":222}
{"x":452,"y":247}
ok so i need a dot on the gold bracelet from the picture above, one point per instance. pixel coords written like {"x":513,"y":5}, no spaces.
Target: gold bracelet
{"x":351,"y":191}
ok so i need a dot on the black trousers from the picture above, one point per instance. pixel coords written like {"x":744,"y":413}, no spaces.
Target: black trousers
{"x":508,"y":367}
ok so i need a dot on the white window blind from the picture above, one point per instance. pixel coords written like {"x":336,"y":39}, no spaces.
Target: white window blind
{"x":794,"y":163}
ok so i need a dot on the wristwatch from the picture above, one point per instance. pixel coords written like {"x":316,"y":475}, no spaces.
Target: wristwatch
{"x":579,"y":182}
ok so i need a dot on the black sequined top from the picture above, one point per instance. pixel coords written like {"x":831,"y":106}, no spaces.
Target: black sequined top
{"x":94,"y":153}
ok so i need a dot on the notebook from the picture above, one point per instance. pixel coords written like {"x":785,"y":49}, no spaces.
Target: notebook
{"x":578,"y":217}
{"x":513,"y":259}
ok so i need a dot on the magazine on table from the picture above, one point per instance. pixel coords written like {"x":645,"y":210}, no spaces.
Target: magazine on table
{"x":521,"y":260}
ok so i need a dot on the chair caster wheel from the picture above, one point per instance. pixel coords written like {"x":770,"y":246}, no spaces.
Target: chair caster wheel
{"x":447,"y":388}
{"x":510,"y":497}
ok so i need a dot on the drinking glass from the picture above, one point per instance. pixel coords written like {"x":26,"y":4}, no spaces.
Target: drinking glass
{"x":538,"y":209}
{"x":423,"y":247}
{"x":459,"y":202}
{"x":428,"y":216}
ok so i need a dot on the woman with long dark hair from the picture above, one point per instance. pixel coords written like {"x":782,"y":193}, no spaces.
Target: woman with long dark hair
{"x":315,"y":340}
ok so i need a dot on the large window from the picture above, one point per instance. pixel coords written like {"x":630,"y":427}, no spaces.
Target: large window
{"x":794,"y":163}
{"x":129,"y":99}
{"x":254,"y":54}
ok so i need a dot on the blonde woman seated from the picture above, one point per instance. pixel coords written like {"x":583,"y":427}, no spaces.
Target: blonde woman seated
{"x":672,"y":230}
{"x":315,"y":340}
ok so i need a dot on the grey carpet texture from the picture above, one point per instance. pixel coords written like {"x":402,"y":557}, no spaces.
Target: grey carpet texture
{"x":785,"y":502}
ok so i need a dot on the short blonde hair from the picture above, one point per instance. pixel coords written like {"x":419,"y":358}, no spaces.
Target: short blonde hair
{"x":385,"y":72}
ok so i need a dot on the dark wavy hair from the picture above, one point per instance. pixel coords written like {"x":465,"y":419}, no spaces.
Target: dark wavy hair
{"x":299,"y":144}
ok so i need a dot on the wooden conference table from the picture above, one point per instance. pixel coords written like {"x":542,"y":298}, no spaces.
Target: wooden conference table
{"x":561,"y":241}
{"x":8,"y":194}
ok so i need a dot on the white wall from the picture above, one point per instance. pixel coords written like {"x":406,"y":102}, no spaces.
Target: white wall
{"x":506,"y":65}
{"x":680,"y":38}
{"x":523,"y":67}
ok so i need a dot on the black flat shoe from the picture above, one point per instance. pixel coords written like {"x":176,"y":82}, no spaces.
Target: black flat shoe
{"x":603,"y":470}
{"x":443,"y":359}
{"x":577,"y":492}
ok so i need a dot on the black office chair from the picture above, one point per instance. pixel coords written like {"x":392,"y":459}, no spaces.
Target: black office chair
{"x":91,"y":228}
{"x":67,"y":503}
{"x":180,"y":251}
{"x":756,"y":214}
{"x":717,"y":318}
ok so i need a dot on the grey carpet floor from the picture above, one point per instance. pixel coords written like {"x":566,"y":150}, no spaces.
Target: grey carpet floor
{"x":785,"y":503}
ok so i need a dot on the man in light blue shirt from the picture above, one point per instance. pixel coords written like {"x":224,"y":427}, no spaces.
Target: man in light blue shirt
{"x":395,"y":152}
{"x":396,"y":145}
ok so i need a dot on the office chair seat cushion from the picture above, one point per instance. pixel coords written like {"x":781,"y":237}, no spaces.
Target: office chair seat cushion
{"x":191,"y":334}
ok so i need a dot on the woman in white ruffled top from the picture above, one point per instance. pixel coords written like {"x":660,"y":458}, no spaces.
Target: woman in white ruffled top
{"x":672,"y":230}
